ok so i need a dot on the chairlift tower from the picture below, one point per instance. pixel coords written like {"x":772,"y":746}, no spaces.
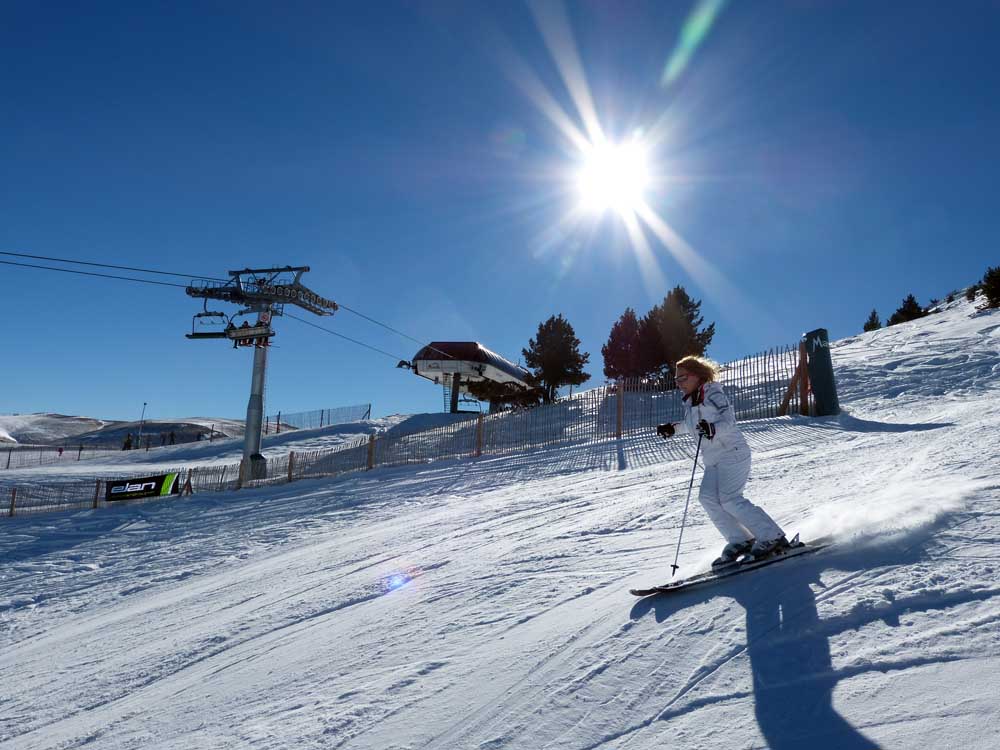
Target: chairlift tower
{"x":264,"y":292}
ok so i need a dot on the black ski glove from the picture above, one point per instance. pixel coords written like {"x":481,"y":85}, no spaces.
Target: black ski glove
{"x":706,"y":429}
{"x":665,"y":430}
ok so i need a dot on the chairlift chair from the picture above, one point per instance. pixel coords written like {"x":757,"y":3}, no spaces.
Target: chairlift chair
{"x":205,"y":320}
{"x":247,"y":333}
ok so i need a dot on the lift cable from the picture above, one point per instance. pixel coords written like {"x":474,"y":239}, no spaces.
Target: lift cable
{"x":183,"y":286}
{"x":390,"y":328}
{"x":91,"y":273}
{"x":109,"y":265}
{"x":340,"y":335}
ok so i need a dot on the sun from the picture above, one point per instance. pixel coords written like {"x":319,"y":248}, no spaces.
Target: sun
{"x":613,"y":176}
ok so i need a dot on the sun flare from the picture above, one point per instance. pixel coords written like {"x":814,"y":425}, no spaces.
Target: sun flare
{"x":615,"y":176}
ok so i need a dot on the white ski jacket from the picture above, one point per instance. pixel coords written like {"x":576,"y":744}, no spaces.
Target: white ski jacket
{"x":728,"y":443}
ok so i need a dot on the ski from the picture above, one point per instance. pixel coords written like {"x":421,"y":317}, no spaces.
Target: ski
{"x":795,"y":549}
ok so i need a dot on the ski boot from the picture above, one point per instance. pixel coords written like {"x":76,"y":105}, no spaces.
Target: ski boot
{"x":761,"y":550}
{"x":731,"y":554}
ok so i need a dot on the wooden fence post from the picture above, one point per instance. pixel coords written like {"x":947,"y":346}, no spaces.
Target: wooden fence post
{"x":79,"y":453}
{"x":620,"y":408}
{"x":479,"y":436}
{"x":239,"y":477}
{"x":793,"y":383}
{"x":291,"y":465}
{"x":371,"y":451}
{"x":97,"y":492}
{"x":10,"y":451}
{"x":803,"y":381}
{"x":188,"y":488}
{"x":13,"y":499}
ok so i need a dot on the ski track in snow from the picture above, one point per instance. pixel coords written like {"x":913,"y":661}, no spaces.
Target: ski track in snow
{"x":483,"y":604}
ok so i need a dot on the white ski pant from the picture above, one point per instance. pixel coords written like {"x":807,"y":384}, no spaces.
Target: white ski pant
{"x":721,"y":495}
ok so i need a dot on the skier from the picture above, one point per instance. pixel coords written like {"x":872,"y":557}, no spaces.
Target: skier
{"x":748,"y":530}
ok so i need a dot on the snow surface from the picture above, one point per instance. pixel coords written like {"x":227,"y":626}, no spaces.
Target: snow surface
{"x":484,"y":603}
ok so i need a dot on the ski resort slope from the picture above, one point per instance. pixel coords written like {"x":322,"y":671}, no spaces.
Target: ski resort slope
{"x":484,"y":603}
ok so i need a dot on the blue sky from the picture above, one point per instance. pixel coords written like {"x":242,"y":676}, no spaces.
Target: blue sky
{"x":813,"y":159}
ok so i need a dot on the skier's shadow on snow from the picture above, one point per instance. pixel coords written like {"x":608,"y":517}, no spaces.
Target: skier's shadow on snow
{"x":792,"y":672}
{"x":793,"y":676}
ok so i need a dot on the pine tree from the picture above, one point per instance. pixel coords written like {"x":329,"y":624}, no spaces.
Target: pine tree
{"x":670,"y":331}
{"x":873,"y":323}
{"x":909,"y":310}
{"x":554,"y":357}
{"x":971,"y":292}
{"x":991,"y":286}
{"x":622,"y":352}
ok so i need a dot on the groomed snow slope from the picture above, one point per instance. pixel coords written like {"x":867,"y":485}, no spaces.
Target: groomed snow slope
{"x":484,"y":604}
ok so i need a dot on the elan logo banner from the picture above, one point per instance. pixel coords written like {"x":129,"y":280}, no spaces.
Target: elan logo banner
{"x":128,"y":489}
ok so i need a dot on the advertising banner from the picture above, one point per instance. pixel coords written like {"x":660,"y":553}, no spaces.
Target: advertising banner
{"x":129,"y":489}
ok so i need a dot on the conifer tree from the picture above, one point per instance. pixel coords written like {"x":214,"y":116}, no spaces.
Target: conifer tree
{"x":991,"y":286}
{"x":622,"y":352}
{"x":554,"y":357}
{"x":909,"y":310}
{"x":670,"y":331}
{"x":873,"y":323}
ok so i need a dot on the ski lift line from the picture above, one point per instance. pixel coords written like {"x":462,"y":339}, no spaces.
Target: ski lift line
{"x":340,"y":335}
{"x":390,"y":328}
{"x":109,"y":265}
{"x":91,"y":273}
{"x":185,"y":275}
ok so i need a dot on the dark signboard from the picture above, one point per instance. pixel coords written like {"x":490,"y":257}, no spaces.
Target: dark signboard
{"x":128,"y":489}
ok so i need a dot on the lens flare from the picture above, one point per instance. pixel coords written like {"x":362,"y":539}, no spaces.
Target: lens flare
{"x":399,"y":579}
{"x":693,"y":34}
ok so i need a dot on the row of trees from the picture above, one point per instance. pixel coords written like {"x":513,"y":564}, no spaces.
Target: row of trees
{"x":912,"y":310}
{"x":648,"y":347}
{"x":636,"y":347}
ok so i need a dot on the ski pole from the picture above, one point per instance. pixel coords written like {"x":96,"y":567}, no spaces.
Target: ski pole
{"x":674,"y":567}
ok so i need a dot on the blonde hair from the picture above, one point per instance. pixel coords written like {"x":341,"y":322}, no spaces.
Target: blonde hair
{"x":704,"y":369}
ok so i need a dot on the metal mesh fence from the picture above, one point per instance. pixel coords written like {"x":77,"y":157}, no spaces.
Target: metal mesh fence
{"x":22,"y":456}
{"x":763,"y":385}
{"x":308,"y":420}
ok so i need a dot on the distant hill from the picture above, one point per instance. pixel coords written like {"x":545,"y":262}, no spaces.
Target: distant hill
{"x":60,"y":429}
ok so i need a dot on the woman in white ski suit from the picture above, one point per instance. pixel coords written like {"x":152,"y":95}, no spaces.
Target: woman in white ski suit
{"x":726,"y":458}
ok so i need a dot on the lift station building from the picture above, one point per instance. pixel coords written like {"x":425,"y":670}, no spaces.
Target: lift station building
{"x":455,"y":364}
